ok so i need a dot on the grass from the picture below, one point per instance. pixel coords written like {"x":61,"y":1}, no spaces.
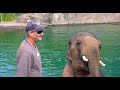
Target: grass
{"x":4,"y":17}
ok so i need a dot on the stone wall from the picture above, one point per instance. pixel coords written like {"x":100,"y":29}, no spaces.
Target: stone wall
{"x":70,"y":18}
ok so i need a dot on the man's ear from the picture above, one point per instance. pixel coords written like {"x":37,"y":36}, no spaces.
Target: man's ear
{"x":30,"y":33}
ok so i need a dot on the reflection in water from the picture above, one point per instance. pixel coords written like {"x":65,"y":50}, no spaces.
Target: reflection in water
{"x":53,"y":49}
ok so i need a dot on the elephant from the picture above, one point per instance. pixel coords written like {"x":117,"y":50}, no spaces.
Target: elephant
{"x":83,"y":56}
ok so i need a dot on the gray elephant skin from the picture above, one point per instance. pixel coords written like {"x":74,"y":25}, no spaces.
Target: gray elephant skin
{"x":83,"y":56}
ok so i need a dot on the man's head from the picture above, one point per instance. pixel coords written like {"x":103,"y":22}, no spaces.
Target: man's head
{"x":32,"y":25}
{"x":34,"y":30}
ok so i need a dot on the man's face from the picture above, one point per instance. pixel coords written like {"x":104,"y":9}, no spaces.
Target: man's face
{"x":36,"y":35}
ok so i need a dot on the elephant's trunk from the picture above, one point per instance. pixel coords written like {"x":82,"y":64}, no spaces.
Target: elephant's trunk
{"x":94,"y":62}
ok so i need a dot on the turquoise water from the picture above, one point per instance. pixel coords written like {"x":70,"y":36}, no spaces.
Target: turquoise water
{"x":54,"y":45}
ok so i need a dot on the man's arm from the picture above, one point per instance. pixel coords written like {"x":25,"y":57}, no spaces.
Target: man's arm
{"x":23,"y":66}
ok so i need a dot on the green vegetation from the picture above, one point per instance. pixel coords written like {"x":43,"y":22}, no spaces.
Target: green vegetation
{"x":4,"y":17}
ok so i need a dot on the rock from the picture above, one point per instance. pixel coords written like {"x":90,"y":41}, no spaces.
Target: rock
{"x":70,"y":18}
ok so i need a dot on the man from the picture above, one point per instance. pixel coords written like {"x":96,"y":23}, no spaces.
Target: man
{"x":28,"y":57}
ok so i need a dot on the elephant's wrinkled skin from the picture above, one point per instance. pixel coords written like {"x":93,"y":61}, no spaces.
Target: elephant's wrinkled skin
{"x":83,"y":56}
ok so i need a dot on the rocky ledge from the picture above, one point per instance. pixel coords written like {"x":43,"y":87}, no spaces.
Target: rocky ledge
{"x":11,"y":25}
{"x":62,"y":19}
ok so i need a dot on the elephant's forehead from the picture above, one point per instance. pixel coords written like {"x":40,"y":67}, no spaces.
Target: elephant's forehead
{"x":84,"y":40}
{"x":77,"y":37}
{"x":90,"y":40}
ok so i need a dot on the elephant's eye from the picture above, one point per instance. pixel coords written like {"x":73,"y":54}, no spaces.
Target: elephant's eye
{"x":78,"y":44}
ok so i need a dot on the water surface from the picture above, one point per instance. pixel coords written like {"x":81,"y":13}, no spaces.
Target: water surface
{"x":53,"y":48}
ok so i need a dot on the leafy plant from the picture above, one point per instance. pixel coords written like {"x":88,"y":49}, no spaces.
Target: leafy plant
{"x":8,"y":16}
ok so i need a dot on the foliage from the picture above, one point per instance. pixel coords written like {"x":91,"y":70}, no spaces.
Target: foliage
{"x":8,"y":16}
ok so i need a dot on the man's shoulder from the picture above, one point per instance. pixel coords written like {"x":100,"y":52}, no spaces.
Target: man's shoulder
{"x":24,"y":47}
{"x":24,"y":44}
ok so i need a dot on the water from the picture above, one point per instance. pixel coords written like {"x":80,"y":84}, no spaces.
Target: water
{"x":54,"y":45}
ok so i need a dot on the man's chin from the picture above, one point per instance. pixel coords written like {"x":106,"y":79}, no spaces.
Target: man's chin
{"x":39,"y":39}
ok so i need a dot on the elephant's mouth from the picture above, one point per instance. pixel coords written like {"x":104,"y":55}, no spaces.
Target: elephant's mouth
{"x":83,"y":69}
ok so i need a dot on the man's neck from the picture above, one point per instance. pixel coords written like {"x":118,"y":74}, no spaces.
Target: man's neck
{"x":31,"y":42}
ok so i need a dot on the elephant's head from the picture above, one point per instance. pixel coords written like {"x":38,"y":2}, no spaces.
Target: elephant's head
{"x":84,"y":54}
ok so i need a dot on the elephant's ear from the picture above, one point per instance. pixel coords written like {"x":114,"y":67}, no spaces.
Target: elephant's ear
{"x":100,"y":44}
{"x":68,"y":56}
